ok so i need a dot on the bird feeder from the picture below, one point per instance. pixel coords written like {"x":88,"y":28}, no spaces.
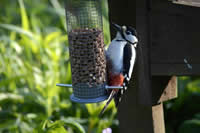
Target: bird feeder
{"x":86,"y":46}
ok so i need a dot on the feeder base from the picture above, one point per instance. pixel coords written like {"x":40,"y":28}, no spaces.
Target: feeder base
{"x":91,"y":100}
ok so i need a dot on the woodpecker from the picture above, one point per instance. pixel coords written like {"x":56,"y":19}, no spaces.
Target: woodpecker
{"x":120,"y":56}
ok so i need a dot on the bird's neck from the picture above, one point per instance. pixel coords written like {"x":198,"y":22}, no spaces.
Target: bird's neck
{"x":119,"y":37}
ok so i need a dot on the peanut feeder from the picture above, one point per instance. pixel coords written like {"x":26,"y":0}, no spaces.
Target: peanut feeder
{"x":86,"y":46}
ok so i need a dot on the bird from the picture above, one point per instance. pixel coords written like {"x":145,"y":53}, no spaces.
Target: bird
{"x":120,"y":58}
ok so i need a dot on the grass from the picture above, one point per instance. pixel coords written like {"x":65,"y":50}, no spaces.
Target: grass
{"x":34,"y":57}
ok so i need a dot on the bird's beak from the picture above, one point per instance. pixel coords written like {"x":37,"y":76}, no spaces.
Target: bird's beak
{"x":117,"y":27}
{"x":135,"y":40}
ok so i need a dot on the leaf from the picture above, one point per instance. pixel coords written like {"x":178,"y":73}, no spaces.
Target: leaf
{"x":106,"y":21}
{"x":68,"y":73}
{"x":24,"y":17}
{"x":194,"y":86}
{"x":13,"y":43}
{"x":30,"y":45}
{"x":25,"y":127}
{"x":7,"y":119}
{"x":18,"y":30}
{"x":95,"y":109}
{"x":190,"y":126}
{"x":197,"y":116}
{"x":59,"y":10}
{"x":41,"y":127}
{"x":48,"y":127}
{"x":8,"y":123}
{"x":56,"y":127}
{"x":72,"y":123}
{"x":10,"y":96}
{"x":50,"y":37}
{"x":7,"y":81}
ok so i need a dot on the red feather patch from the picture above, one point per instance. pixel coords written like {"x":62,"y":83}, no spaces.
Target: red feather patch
{"x":116,"y":80}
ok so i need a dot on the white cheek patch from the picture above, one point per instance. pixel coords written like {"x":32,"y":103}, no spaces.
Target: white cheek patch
{"x":132,"y":39}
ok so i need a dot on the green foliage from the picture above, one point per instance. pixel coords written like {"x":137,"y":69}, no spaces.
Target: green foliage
{"x":34,"y":57}
{"x":190,"y":126}
{"x":49,"y":127}
{"x":182,"y":114}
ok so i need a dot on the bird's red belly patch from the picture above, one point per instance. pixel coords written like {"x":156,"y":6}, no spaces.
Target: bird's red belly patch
{"x":116,"y":80}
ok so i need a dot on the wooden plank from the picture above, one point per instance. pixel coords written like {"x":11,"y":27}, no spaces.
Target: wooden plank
{"x":175,"y":69}
{"x":143,"y":53}
{"x":158,"y":118}
{"x":121,"y":17}
{"x":164,"y":88}
{"x":134,"y":117}
{"x":174,"y":38}
{"x":127,"y":16}
{"x":188,"y":2}
{"x":167,"y":7}
{"x":137,"y":118}
{"x":135,"y":112}
{"x":170,"y":92}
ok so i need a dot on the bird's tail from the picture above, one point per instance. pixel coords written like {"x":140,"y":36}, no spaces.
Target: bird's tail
{"x":112,"y":94}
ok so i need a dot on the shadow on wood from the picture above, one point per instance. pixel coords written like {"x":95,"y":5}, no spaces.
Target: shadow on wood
{"x":164,"y":88}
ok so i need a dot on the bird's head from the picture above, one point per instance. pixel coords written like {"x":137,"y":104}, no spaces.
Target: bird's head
{"x":128,"y":33}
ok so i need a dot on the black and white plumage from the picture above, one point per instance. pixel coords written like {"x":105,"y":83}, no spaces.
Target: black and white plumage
{"x":120,"y":55}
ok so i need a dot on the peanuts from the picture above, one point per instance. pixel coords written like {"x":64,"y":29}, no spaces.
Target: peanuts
{"x":88,"y":63}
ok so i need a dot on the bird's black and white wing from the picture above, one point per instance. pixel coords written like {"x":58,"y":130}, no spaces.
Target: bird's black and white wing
{"x":128,"y":61}
{"x":129,"y":57}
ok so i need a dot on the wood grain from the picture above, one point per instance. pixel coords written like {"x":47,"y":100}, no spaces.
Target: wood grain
{"x":195,"y":3}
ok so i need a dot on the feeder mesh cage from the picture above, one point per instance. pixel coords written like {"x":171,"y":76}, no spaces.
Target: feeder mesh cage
{"x":86,"y":46}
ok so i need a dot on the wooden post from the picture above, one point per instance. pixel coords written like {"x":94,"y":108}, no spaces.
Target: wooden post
{"x":162,"y":53}
{"x":133,"y":116}
{"x":141,"y":109}
{"x":158,"y":118}
{"x":142,"y":118}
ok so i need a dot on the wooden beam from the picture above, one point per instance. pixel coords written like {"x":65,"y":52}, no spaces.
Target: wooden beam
{"x":134,"y":117}
{"x":174,"y":39}
{"x":170,"y":91}
{"x":143,"y":52}
{"x":175,"y":69}
{"x":138,"y":118}
{"x":140,"y":110}
{"x":195,"y":3}
{"x":164,"y":88}
{"x":136,"y":16}
{"x":158,"y":118}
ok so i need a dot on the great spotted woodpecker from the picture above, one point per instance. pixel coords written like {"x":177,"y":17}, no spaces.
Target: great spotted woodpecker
{"x":120,"y":55}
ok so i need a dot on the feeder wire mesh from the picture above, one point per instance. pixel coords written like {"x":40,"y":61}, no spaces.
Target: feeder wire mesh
{"x":82,"y":14}
{"x":86,"y":46}
{"x":87,"y":61}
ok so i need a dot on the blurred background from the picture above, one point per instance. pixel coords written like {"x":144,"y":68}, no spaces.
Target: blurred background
{"x":34,"y":57}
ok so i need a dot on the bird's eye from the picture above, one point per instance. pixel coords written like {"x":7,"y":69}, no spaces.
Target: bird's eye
{"x":128,"y":32}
